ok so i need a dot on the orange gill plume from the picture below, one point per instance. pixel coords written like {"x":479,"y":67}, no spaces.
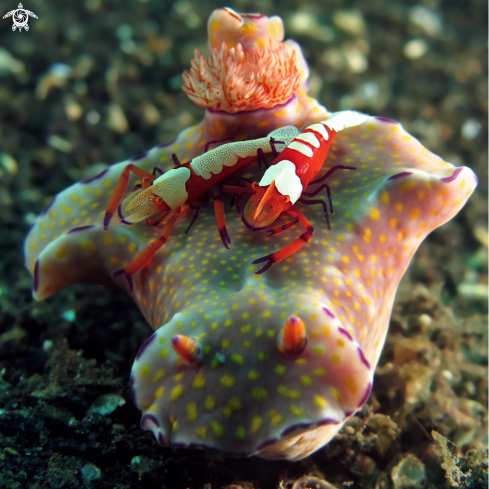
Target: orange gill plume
{"x":233,"y":80}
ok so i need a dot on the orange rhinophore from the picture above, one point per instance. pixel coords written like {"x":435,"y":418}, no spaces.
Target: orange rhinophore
{"x":188,"y":349}
{"x":292,"y":339}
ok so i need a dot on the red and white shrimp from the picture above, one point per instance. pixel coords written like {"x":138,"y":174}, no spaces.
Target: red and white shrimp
{"x":283,"y":184}
{"x":168,"y":193}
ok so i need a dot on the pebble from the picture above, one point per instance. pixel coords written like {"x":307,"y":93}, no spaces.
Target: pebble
{"x":90,"y":472}
{"x":473,"y":291}
{"x":426,"y":19}
{"x":59,"y":143}
{"x":415,"y":48}
{"x":306,"y":24}
{"x":350,"y":21}
{"x":8,"y":165}
{"x":116,"y":120}
{"x":471,"y":129}
{"x":8,"y":64}
{"x":425,"y":320}
{"x":105,"y":404}
{"x":93,"y":117}
{"x":355,"y":59}
{"x":408,"y":473}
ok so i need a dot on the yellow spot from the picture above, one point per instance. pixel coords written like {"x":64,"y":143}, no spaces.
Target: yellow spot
{"x":266,"y":314}
{"x":253,"y":375}
{"x":326,"y":331}
{"x":320,"y":372}
{"x":258,"y":393}
{"x":256,"y":423}
{"x":318,"y":350}
{"x":65,"y":208}
{"x":297,"y":411}
{"x":345,"y":259}
{"x":107,"y":239}
{"x":290,"y":393}
{"x":240,"y":433}
{"x":336,"y":393}
{"x":201,"y":432}
{"x":228,"y":380}
{"x":399,"y":207}
{"x":191,"y":410}
{"x":320,"y":402}
{"x":237,"y":358}
{"x":275,"y":417}
{"x":158,"y":375}
{"x":382,"y":238}
{"x":306,"y":380}
{"x":199,"y":381}
{"x":217,"y":428}
{"x":61,"y":252}
{"x":144,"y":371}
{"x":385,"y":198}
{"x":87,"y":246}
{"x":176,"y":392}
{"x":367,"y":237}
{"x":335,"y":358}
{"x":159,"y":392}
{"x":210,"y":402}
{"x":225,"y":342}
{"x":414,"y":213}
{"x":375,"y":214}
{"x":341,"y":343}
{"x":280,"y":369}
{"x":163,"y":352}
{"x":351,"y":384}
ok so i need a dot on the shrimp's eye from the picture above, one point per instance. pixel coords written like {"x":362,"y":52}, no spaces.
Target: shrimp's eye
{"x":286,"y":198}
{"x":254,"y":184}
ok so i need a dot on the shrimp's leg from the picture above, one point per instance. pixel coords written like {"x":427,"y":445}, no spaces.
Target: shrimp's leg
{"x":221,"y":219}
{"x":238,"y":190}
{"x":196,"y":208}
{"x":148,"y":253}
{"x":215,"y":142}
{"x":120,"y":189}
{"x":325,"y":208}
{"x":291,"y":247}
{"x":330,"y":172}
{"x":279,"y":229}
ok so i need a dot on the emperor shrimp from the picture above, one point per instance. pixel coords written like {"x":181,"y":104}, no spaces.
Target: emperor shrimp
{"x":168,"y":193}
{"x":283,"y":183}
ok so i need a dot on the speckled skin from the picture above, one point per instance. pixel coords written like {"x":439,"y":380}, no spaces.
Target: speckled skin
{"x":246,"y":398}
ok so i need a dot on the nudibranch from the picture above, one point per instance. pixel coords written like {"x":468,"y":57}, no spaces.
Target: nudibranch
{"x":244,"y":364}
